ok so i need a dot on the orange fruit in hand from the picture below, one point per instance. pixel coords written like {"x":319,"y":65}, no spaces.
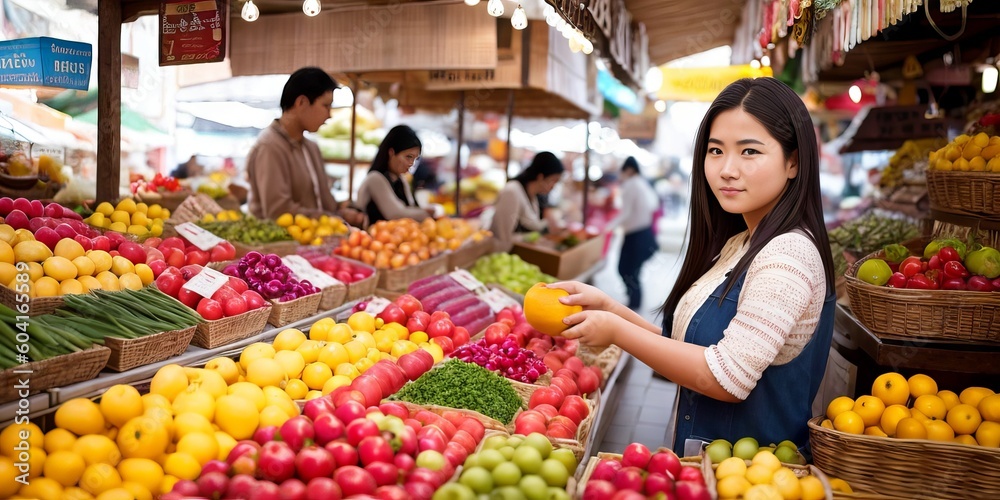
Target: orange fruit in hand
{"x":921,"y":384}
{"x":891,"y":388}
{"x":544,"y":312}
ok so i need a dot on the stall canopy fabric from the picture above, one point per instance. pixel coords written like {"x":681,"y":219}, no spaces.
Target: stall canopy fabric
{"x":130,"y":120}
{"x":677,"y":28}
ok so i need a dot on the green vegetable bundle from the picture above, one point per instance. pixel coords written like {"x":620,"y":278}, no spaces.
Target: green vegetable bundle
{"x":249,"y":231}
{"x":867,"y":234}
{"x":457,"y":384}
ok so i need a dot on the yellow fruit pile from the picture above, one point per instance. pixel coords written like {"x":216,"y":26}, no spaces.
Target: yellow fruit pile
{"x":450,"y":233}
{"x":130,"y":217}
{"x":68,"y":270}
{"x":330,"y":356}
{"x":223,"y":216}
{"x":980,"y":153}
{"x":309,"y":231}
{"x":906,"y":157}
{"x":766,"y":477}
{"x":916,"y":409}
{"x":132,"y":446}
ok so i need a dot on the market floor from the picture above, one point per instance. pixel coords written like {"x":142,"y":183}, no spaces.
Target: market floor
{"x":643,"y":403}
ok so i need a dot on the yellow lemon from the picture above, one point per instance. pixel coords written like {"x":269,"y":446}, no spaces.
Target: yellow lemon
{"x":255,"y":351}
{"x":145,"y":273}
{"x":65,"y":467}
{"x":8,"y":477}
{"x":120,"y":403}
{"x":98,"y":478}
{"x":950,"y":399}
{"x":69,"y":249}
{"x":265,"y":372}
{"x":121,"y":217}
{"x":762,"y":492}
{"x":120,"y":265}
{"x":309,"y":349}
{"x":203,"y":447}
{"x":127,"y":205}
{"x":142,"y":471}
{"x":812,"y":488}
{"x":988,"y":434}
{"x":42,"y":488}
{"x":931,"y":406}
{"x":910,"y":428}
{"x":964,"y":419}
{"x":276,"y":396}
{"x":921,"y":384}
{"x":226,"y":443}
{"x":289,"y":339}
{"x":891,"y":416}
{"x":71,"y":286}
{"x":870,"y":408}
{"x":787,"y":483}
{"x":46,"y":286}
{"x":273,"y":415}
{"x":966,"y":439}
{"x":732,"y":466}
{"x":732,"y":486}
{"x":80,"y":416}
{"x":767,"y":459}
{"x":58,"y":440}
{"x":759,"y":474}
{"x":105,"y":208}
{"x":195,"y":402}
{"x":225,"y":367}
{"x":314,"y":395}
{"x":892,"y":388}
{"x":108,"y":281}
{"x":190,"y":422}
{"x":362,"y":321}
{"x":102,"y":260}
{"x":296,"y":389}
{"x":939,"y":430}
{"x":250,"y":392}
{"x":333,"y":355}
{"x":334,"y":382}
{"x":59,"y":268}
{"x":973,"y":395}
{"x":849,"y":422}
{"x":838,"y":406}
{"x":84,"y":266}
{"x":316,"y":374}
{"x":182,"y":465}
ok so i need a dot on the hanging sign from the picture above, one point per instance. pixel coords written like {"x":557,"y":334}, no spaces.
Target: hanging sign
{"x":46,"y":62}
{"x":703,"y":84}
{"x":192,"y":31}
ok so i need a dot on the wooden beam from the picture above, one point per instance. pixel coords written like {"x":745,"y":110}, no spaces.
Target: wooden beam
{"x":134,"y":9}
{"x":109,"y":97}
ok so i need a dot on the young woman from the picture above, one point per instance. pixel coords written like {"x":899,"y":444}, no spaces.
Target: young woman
{"x":385,"y":194}
{"x":518,"y":208}
{"x":639,"y":203}
{"x":748,"y":324}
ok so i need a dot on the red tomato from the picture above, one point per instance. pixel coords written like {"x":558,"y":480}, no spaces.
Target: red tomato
{"x":254,"y":300}
{"x":460,"y":336}
{"x":238,"y":285}
{"x":409,"y":304}
{"x":551,"y":395}
{"x":188,"y":297}
{"x":897,"y":280}
{"x":910,"y":268}
{"x":949,"y":254}
{"x":575,"y":408}
{"x":234,"y":305}
{"x":934,"y":262}
{"x":440,"y":328}
{"x":920,"y":282}
{"x":169,"y":283}
{"x":199,"y":257}
{"x":210,"y":309}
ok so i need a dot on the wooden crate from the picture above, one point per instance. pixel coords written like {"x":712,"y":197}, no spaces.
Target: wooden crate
{"x":563,"y":265}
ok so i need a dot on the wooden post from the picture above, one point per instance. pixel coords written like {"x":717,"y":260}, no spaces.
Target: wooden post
{"x":458,"y":154}
{"x":354,"y":127}
{"x":109,"y":97}
{"x":586,"y":168}
{"x":510,"y":119}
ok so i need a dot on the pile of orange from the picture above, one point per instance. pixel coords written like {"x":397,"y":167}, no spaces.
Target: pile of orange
{"x":390,"y":245}
{"x":914,"y":408}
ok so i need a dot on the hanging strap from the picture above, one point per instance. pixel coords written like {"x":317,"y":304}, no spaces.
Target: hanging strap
{"x":961,"y":30}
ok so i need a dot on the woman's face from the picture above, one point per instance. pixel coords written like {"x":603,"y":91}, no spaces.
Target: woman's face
{"x":547,"y":183}
{"x":402,"y":162}
{"x":745,"y":166}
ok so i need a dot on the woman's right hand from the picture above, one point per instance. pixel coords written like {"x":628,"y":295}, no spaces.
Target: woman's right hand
{"x":583,"y":295}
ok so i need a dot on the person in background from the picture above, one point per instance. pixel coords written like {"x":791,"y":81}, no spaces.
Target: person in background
{"x":639,"y":203}
{"x":385,"y":194}
{"x":521,"y":203}
{"x":285,"y":169}
{"x":747,"y":326}
{"x":190,"y":168}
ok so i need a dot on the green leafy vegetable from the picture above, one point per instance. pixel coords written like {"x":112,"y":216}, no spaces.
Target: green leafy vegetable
{"x":457,"y":384}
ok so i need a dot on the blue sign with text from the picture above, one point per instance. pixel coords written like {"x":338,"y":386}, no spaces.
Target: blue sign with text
{"x":46,"y":62}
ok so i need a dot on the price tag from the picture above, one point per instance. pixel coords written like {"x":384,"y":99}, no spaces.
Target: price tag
{"x":198,"y":237}
{"x":207,"y":282}
{"x":498,"y":300}
{"x":466,"y":279}
{"x":376,"y":305}
{"x":305,"y":271}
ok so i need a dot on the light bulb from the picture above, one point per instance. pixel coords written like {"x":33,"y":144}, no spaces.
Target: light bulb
{"x":588,"y":46}
{"x":755,"y":64}
{"x":854,"y":93}
{"x":495,"y":8}
{"x":472,"y":3}
{"x":765,"y":61}
{"x":519,"y":20}
{"x":575,"y":45}
{"x":990,"y":74}
{"x":660,"y":106}
{"x":311,"y":7}
{"x":653,"y":80}
{"x":250,"y":12}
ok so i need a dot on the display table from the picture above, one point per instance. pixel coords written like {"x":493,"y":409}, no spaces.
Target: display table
{"x":951,"y":363}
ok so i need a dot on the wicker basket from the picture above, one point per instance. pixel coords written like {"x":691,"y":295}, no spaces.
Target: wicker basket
{"x":362,"y":288}
{"x":53,"y":372}
{"x":470,"y":252}
{"x":965,"y":193}
{"x":606,"y":359}
{"x":36,"y":306}
{"x":332,"y":297}
{"x":283,"y":313}
{"x":396,"y":280}
{"x":279,"y":248}
{"x":582,"y":438}
{"x":130,"y":353}
{"x":908,"y":468}
{"x":702,"y":463}
{"x":193,"y":209}
{"x":212,"y":334}
{"x":934,"y":314}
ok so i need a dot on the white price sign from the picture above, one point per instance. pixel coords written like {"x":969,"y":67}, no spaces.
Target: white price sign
{"x":376,"y":305}
{"x":498,"y":300}
{"x":207,"y":282}
{"x":466,"y":279}
{"x":305,"y":271}
{"x":198,"y":237}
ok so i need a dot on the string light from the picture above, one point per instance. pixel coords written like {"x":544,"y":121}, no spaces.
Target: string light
{"x":990,"y":74}
{"x":495,"y":8}
{"x":250,"y":12}
{"x":855,"y":94}
{"x":588,"y":46}
{"x":311,"y":7}
{"x":765,"y":61}
{"x":472,"y":3}
{"x":519,"y":20}
{"x":755,"y":64}
{"x":660,"y":106}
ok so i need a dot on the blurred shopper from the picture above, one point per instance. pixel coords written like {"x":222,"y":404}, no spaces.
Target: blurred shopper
{"x":385,"y":194}
{"x":520,"y":207}
{"x":285,"y":169}
{"x":190,"y":168}
{"x":636,"y":218}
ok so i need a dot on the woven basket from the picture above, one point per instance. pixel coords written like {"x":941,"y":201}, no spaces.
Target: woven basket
{"x":965,"y":193}
{"x":279,"y":248}
{"x":606,"y":359}
{"x":362,"y":288}
{"x":212,"y":334}
{"x":283,"y":313}
{"x":928,"y":314}
{"x":193,"y":209}
{"x":130,"y":353}
{"x":332,"y":297}
{"x":702,"y":463}
{"x":53,"y":372}
{"x":470,"y":252}
{"x":908,"y":468}
{"x":579,"y":442}
{"x":396,"y":280}
{"x":36,"y":306}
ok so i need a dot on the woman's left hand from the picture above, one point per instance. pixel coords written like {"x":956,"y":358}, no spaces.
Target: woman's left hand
{"x":595,"y":328}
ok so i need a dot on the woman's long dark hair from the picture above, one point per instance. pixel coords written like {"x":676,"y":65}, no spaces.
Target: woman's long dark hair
{"x":399,"y":138}
{"x":783,"y":114}
{"x":544,"y":164}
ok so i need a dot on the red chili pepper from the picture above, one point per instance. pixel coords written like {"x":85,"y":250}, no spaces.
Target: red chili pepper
{"x":948,"y":254}
{"x":934,"y":262}
{"x":955,"y":269}
{"x":920,"y":282}
{"x":897,"y":280}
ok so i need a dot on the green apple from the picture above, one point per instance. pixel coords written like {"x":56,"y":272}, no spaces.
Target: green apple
{"x":471,"y":461}
{"x":506,"y":474}
{"x":528,"y":459}
{"x":746,"y":448}
{"x":788,"y":444}
{"x":566,"y":456}
{"x":515,"y":441}
{"x":507,"y":452}
{"x":554,"y":473}
{"x":478,"y":479}
{"x":558,"y":494}
{"x":454,"y":491}
{"x":719,"y":450}
{"x":490,"y":459}
{"x":788,"y":455}
{"x":507,"y":493}
{"x":494,"y":442}
{"x":539,"y":442}
{"x":534,"y":487}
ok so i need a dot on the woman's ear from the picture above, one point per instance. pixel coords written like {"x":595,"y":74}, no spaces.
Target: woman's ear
{"x":792,"y":164}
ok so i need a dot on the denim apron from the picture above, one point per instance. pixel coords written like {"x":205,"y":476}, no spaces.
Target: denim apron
{"x":780,"y":405}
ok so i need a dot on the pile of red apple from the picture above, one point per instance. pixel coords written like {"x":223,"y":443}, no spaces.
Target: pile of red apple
{"x":340,"y":269}
{"x":641,"y":474}
{"x":232,"y":299}
{"x":178,"y":252}
{"x":384,"y":378}
{"x":336,"y":451}
{"x":552,"y":413}
{"x":406,"y":310}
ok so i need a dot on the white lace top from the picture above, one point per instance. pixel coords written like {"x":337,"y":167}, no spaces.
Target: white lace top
{"x":777,"y":312}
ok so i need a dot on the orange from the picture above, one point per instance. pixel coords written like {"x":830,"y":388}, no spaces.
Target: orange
{"x":950,"y":399}
{"x":891,"y":417}
{"x":964,"y":419}
{"x":80,"y":416}
{"x":120,"y":403}
{"x":41,"y":488}
{"x":973,"y":395}
{"x":544,"y":312}
{"x":989,"y":408}
{"x":966,"y":439}
{"x":939,"y":430}
{"x":870,"y":408}
{"x":812,"y":488}
{"x":8,"y":477}
{"x":891,"y":388}
{"x":931,"y":406}
{"x":333,"y":354}
{"x":316,"y":374}
{"x":917,"y":414}
{"x":59,"y":440}
{"x":295,"y":388}
{"x":910,"y":428}
{"x":921,"y":384}
{"x":838,"y":406}
{"x":65,"y":467}
{"x":98,"y":478}
{"x":849,"y":422}
{"x":988,"y":434}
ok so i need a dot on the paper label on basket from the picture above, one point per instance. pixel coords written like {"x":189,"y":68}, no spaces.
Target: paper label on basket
{"x":305,"y":271}
{"x":466,"y":279}
{"x":198,"y":237}
{"x":376,"y":305}
{"x":498,"y":300}
{"x":207,"y":282}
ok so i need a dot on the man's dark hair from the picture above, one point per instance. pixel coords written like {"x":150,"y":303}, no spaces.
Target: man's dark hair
{"x":311,"y":82}
{"x":630,"y":164}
